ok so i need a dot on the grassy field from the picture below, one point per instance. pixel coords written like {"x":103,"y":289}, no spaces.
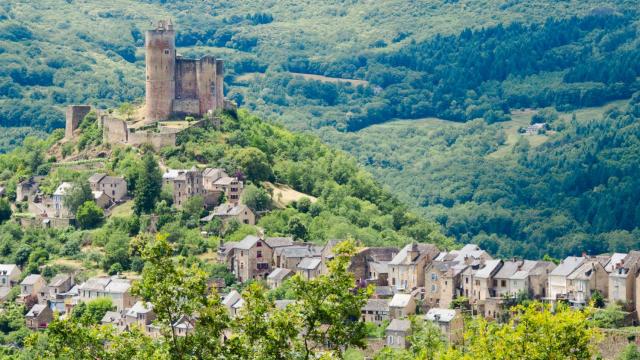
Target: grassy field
{"x":123,"y":210}
{"x":283,"y":195}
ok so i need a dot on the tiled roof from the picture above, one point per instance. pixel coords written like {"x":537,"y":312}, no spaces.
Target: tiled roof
{"x":31,"y":279}
{"x":567,"y":266}
{"x":279,"y":274}
{"x":442,"y":315}
{"x":309,"y":263}
{"x":376,"y":305}
{"x":399,"y":325}
{"x":400,"y":300}
{"x":421,"y":249}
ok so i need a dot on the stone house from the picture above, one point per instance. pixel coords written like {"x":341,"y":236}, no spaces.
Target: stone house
{"x":406,"y":269}
{"x":228,"y":211}
{"x":114,"y":187}
{"x":9,"y":275}
{"x":622,"y":281}
{"x":539,"y":279}
{"x":583,"y":281}
{"x":250,"y":259}
{"x":289,"y":257}
{"x":217,"y":180}
{"x":184,"y":184}
{"x":449,"y":321}
{"x":59,"y":208}
{"x":39,"y":317}
{"x":117,"y":289}
{"x":141,"y":314}
{"x":371,"y":265}
{"x":233,"y":302}
{"x":101,"y":199}
{"x":397,"y":334}
{"x":443,"y":283}
{"x":25,"y":190}
{"x":483,"y":282}
{"x":402,"y":306}
{"x":557,"y":286}
{"x":57,"y":290}
{"x":376,"y":311}
{"x":309,"y":267}
{"x":33,"y":285}
{"x":277,"y":277}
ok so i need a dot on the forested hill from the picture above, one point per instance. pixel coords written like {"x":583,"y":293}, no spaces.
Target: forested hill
{"x":570,"y":190}
{"x":454,"y":59}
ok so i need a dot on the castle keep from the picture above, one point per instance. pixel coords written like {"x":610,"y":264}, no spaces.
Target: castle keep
{"x":175,"y":85}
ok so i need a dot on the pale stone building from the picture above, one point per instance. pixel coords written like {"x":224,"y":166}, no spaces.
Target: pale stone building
{"x":397,"y":334}
{"x":113,"y":186}
{"x":406,"y":269}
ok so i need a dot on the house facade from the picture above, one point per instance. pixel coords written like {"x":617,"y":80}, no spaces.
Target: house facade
{"x":406,"y":269}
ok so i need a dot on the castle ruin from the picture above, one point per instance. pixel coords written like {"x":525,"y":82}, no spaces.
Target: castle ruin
{"x":175,"y":87}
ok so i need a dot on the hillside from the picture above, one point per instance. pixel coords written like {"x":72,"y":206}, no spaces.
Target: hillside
{"x":563,"y":192}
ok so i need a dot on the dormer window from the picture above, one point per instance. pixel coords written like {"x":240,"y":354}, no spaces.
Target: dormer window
{"x":259,"y":244}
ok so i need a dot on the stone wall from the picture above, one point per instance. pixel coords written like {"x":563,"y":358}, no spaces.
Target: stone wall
{"x":157,"y":140}
{"x":74,"y":115}
{"x":114,"y":130}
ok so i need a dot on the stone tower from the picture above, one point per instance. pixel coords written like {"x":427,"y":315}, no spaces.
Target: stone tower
{"x":176,"y":85}
{"x":160,"y":52}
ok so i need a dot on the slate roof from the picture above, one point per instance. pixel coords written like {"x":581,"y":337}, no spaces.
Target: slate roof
{"x":567,"y":266}
{"x":95,"y":178}
{"x":31,"y":279}
{"x":400,"y":300}
{"x":403,"y":256}
{"x":298,"y":251}
{"x":215,"y":173}
{"x":229,"y":209}
{"x":309,"y":263}
{"x":8,"y":268}
{"x":279,"y":274}
{"x":36,"y":310}
{"x":58,"y":280}
{"x":584,"y":271}
{"x":111,"y":317}
{"x":275,"y":242}
{"x":118,"y":286}
{"x":379,"y":267}
{"x":225,"y":180}
{"x":247,"y":243}
{"x":615,"y":259}
{"x":140,"y":307}
{"x":231,"y":298}
{"x":488,"y":269}
{"x":383,"y":291}
{"x":442,"y":315}
{"x":399,"y":325}
{"x":376,"y":305}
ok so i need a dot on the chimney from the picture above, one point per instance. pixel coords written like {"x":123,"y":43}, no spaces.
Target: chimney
{"x":584,"y":254}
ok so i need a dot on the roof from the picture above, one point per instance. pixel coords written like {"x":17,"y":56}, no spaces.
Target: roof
{"x":567,"y":266}
{"x":275,"y":242}
{"x":140,"y":307}
{"x":399,"y":325}
{"x":298,"y":251}
{"x":229,"y":209}
{"x":309,"y":263}
{"x":376,"y":305}
{"x":98,"y":194}
{"x":231,"y":298}
{"x":110,"y":317}
{"x":97,"y":283}
{"x":383,"y":291}
{"x":118,"y":286}
{"x":247,"y":243}
{"x":442,"y":315}
{"x":400,"y":300}
{"x":8,"y":268}
{"x":279,"y":274}
{"x":59,"y":280}
{"x":616,"y":258}
{"x":282,"y":304}
{"x":31,"y":279}
{"x":36,"y":310}
{"x":379,"y":267}
{"x":95,"y":178}
{"x":403,"y":256}
{"x":225,"y":180}
{"x":214,"y":173}
{"x":584,"y":271}
{"x":63,"y":188}
{"x":509,"y":268}
{"x":489,"y":267}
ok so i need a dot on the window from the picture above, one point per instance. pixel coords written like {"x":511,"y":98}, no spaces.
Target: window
{"x":477,"y":282}
{"x":166,"y":51}
{"x":433,"y":288}
{"x":259,"y":244}
{"x":503,"y":283}
{"x":434,"y":276}
{"x":259,"y":254}
{"x":466,"y":280}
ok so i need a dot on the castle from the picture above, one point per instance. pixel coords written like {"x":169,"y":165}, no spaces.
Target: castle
{"x":175,"y":86}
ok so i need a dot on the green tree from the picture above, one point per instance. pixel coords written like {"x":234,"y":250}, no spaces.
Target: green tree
{"x":253,"y":163}
{"x":630,"y":352}
{"x":92,"y":312}
{"x":329,"y":307}
{"x":297,"y":228}
{"x":79,"y":194}
{"x":193,"y":208}
{"x":89,"y":215}
{"x":257,"y":199}
{"x":426,"y":339}
{"x":610,"y":317}
{"x":148,"y":186}
{"x":5,"y":210}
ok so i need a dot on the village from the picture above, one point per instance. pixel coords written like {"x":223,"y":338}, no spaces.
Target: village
{"x":440,"y":286}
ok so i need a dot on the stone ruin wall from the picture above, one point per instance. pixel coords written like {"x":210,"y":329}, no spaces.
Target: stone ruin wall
{"x":74,"y":115}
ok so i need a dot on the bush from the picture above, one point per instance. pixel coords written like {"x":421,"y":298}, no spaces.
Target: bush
{"x":89,"y":215}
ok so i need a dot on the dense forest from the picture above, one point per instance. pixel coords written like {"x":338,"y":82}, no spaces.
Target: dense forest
{"x":572,"y":193}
